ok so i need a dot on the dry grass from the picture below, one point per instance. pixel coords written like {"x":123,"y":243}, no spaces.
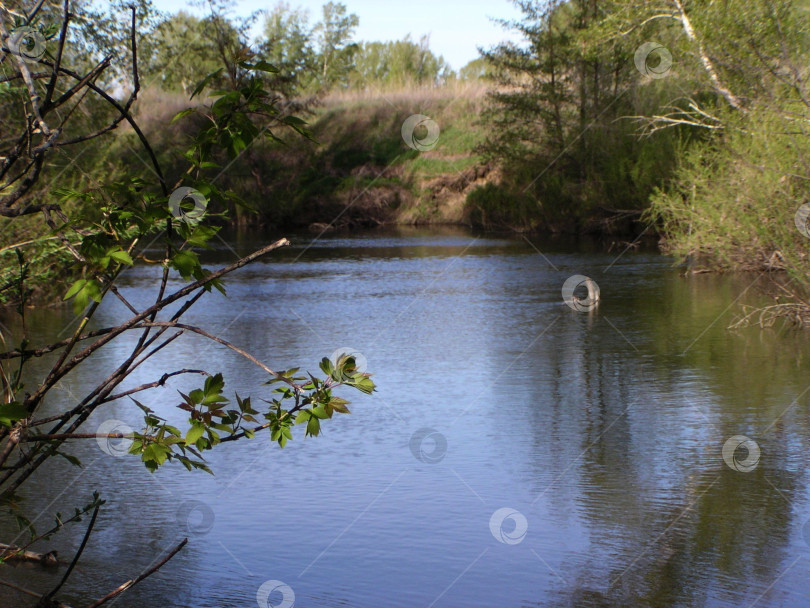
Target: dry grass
{"x":408,"y":95}
{"x":157,"y":107}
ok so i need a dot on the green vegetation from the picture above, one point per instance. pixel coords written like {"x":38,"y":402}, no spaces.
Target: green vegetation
{"x":103,"y":220}
{"x":653,"y":115}
{"x":687,"y":117}
{"x":692,"y":113}
{"x":357,"y":158}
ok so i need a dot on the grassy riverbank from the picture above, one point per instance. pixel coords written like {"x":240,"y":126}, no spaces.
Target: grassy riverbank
{"x":357,"y":170}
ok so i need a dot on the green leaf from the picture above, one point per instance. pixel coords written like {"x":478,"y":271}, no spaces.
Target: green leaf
{"x":194,"y":433}
{"x":121,"y":256}
{"x":204,"y":83}
{"x":303,"y":416}
{"x":181,"y":114}
{"x":313,"y":427}
{"x":71,"y":459}
{"x":259,"y":65}
{"x":185,"y":262}
{"x":214,"y":400}
{"x":363,"y":383}
{"x":86,"y":291}
{"x":11,"y":413}
{"x":75,"y":288}
{"x":93,"y":289}
{"x":214,"y":384}
{"x":145,"y":409}
{"x":326,"y":366}
{"x":319,"y":412}
{"x":295,"y":121}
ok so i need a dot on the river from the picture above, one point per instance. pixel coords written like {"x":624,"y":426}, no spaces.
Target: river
{"x":517,"y":453}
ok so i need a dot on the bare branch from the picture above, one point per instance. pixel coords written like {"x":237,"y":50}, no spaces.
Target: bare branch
{"x":130,"y":583}
{"x":233,"y":347}
{"x":76,"y":557}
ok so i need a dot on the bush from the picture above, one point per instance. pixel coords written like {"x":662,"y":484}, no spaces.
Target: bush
{"x":494,"y":206}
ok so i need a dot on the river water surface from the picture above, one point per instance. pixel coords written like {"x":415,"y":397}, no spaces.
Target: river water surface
{"x":571,"y":459}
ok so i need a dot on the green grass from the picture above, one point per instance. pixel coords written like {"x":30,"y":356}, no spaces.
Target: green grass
{"x":428,"y":167}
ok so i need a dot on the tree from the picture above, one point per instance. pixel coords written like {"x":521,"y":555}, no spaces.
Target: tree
{"x":335,"y":49}
{"x":736,"y":200}
{"x":288,"y":45}
{"x":103,"y":237}
{"x":585,"y":118}
{"x":475,"y":69}
{"x":555,"y":111}
{"x":399,"y":63}
{"x":180,"y":53}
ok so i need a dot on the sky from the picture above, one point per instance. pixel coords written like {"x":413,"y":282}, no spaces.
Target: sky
{"x":456,"y":27}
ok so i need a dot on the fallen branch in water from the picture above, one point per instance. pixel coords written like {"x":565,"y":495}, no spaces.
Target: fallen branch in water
{"x":795,"y":313}
{"x":132,"y":582}
{"x":11,"y":553}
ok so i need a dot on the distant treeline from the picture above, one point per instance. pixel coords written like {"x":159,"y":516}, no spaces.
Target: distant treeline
{"x":312,"y":56}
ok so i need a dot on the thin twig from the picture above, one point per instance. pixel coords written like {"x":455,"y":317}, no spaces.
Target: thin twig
{"x":75,"y":557}
{"x":130,"y":583}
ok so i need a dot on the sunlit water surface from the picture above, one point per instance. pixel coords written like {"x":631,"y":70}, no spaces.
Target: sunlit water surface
{"x":604,"y":431}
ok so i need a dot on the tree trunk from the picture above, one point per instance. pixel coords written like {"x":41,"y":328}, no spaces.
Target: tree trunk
{"x":708,"y":65}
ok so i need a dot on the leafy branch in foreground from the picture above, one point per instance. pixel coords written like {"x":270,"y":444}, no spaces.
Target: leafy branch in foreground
{"x":106,"y":228}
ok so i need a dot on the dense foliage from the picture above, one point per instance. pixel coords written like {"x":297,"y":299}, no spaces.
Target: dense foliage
{"x":699,"y":109}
